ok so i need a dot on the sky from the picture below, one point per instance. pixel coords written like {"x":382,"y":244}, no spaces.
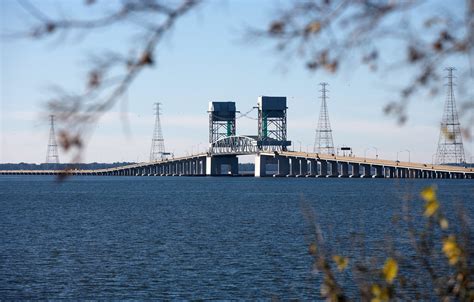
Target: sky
{"x":204,"y":58}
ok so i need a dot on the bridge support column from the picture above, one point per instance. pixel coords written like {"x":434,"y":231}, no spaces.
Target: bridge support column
{"x":323,"y":169}
{"x":378,"y":172}
{"x":391,"y":172}
{"x":294,"y":166}
{"x":283,"y":166}
{"x":355,"y":170}
{"x":303,"y":163}
{"x":418,"y":174}
{"x":192,"y":163}
{"x":334,"y":169}
{"x":190,"y":167}
{"x":202,"y":166}
{"x":260,"y":165}
{"x":196,"y":166}
{"x":367,"y":171}
{"x":344,"y":169}
{"x":214,"y":164}
{"x":313,"y":168}
{"x":177,"y":169}
{"x":399,"y":172}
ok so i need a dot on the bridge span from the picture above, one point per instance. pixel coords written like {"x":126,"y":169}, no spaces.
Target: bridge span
{"x":287,"y":164}
{"x":270,"y":148}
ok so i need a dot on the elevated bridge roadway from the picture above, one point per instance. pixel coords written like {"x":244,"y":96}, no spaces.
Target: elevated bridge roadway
{"x":287,"y":163}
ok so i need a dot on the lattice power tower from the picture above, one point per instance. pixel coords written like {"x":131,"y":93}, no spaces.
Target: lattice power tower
{"x":157,"y":142}
{"x":450,"y":147}
{"x":323,"y":141}
{"x":52,"y":156}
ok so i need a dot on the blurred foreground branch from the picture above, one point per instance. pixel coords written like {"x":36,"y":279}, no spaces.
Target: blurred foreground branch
{"x":416,"y":37}
{"x":112,"y":72}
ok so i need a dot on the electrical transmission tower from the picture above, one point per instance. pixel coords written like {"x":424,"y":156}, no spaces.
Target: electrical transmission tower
{"x":323,"y":141}
{"x":52,"y":153}
{"x":450,"y":147}
{"x":157,"y":142}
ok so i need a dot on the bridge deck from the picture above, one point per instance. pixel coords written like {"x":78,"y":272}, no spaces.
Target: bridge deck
{"x":146,"y":167}
{"x":376,"y":162}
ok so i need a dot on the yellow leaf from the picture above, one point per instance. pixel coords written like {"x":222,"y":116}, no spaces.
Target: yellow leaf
{"x":444,"y":223}
{"x":341,"y":262}
{"x":431,"y":207}
{"x":429,"y":194}
{"x":390,"y":270}
{"x":379,"y":294}
{"x":451,"y":249}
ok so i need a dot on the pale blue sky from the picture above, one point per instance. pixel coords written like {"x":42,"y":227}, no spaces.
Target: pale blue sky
{"x":204,"y":58}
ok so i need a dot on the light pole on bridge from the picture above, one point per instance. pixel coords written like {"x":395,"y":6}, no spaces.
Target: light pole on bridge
{"x":376,"y":152}
{"x":406,"y":150}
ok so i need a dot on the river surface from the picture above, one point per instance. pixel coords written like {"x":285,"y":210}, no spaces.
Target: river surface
{"x":178,"y":238}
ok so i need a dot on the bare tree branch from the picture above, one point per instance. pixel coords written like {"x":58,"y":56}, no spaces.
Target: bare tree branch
{"x":111,"y":73}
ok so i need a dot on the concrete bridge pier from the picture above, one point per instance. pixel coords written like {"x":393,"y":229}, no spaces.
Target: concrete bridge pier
{"x":283,"y":166}
{"x":176,"y":169}
{"x":294,"y":167}
{"x":187,"y":167}
{"x":344,"y":170}
{"x":399,"y":172}
{"x":403,"y":173}
{"x":323,"y":169}
{"x":378,"y":172}
{"x":367,"y":173}
{"x":193,"y":167}
{"x":390,"y":172}
{"x":355,"y":170}
{"x":312,"y":168}
{"x":417,"y":173}
{"x":333,"y":165}
{"x":202,"y":166}
{"x":214,"y":164}
{"x":260,"y":165}
{"x":303,"y":165}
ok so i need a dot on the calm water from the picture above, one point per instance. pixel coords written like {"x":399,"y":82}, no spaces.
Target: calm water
{"x":187,"y":238}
